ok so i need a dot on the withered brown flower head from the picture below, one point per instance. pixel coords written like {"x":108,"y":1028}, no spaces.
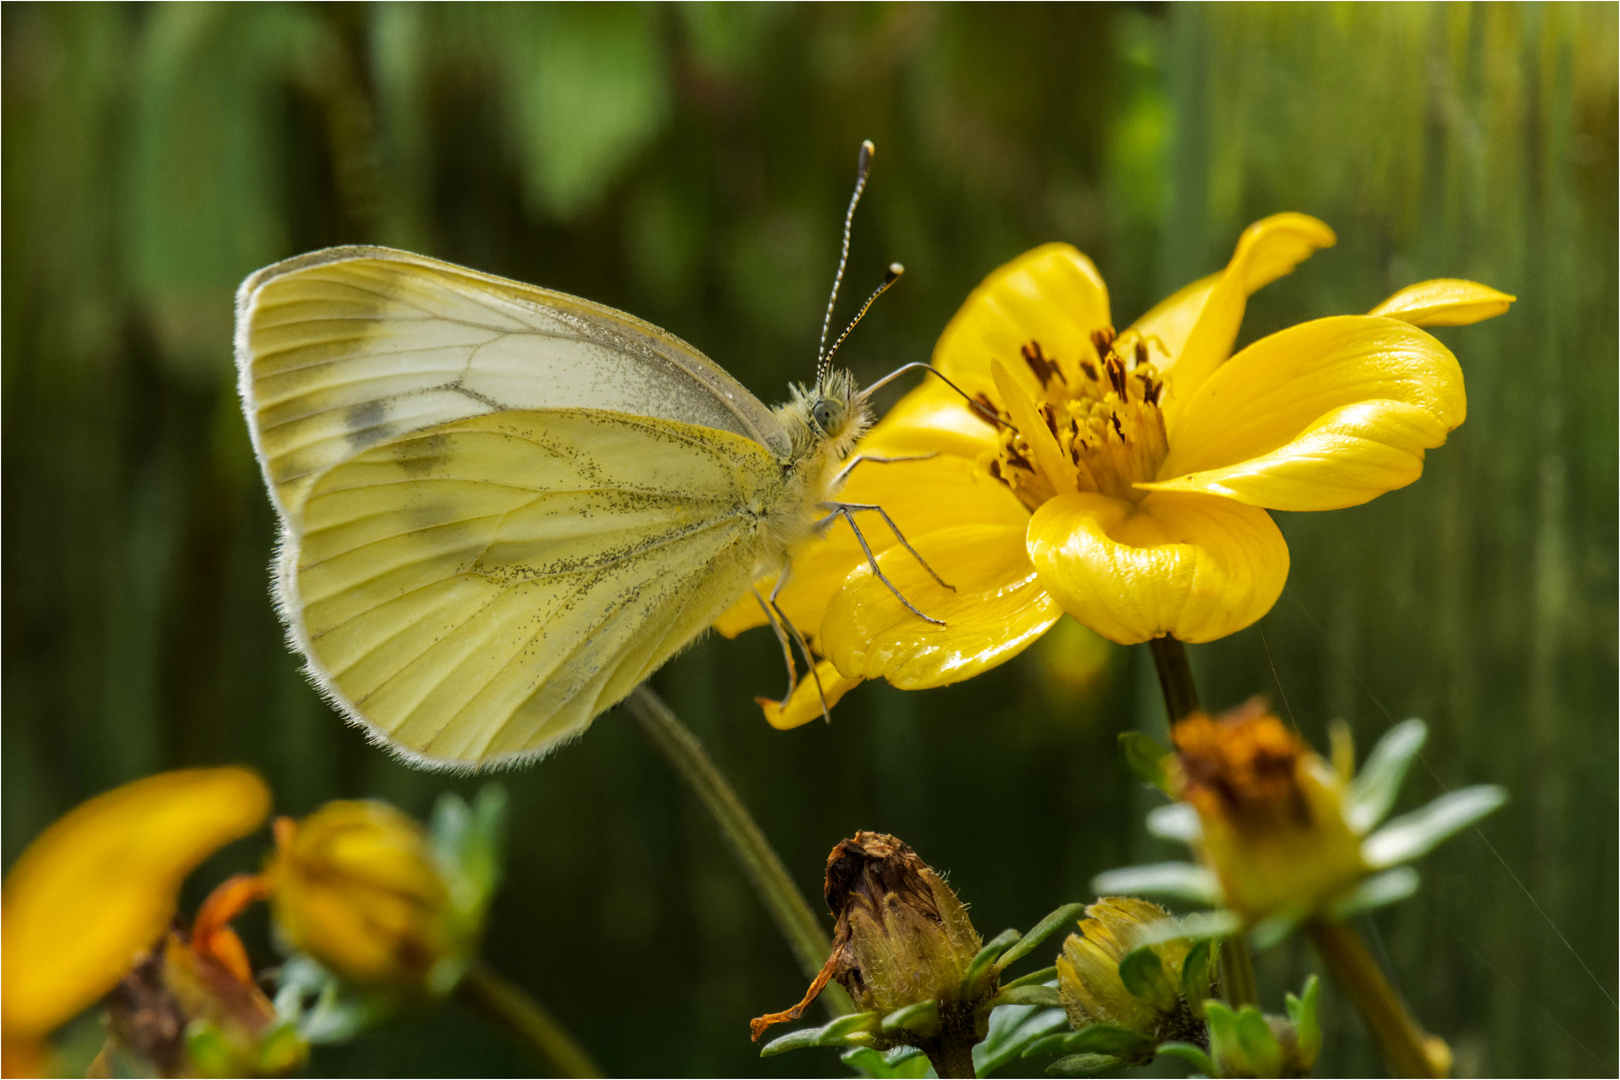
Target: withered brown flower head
{"x":902,"y":937}
{"x":1242,"y":765}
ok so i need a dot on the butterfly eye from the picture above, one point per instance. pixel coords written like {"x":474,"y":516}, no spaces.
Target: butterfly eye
{"x":825,"y":414}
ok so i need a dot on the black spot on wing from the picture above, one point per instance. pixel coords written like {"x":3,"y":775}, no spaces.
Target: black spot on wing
{"x":363,"y":423}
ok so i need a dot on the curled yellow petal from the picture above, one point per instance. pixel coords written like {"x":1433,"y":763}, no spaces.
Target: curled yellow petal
{"x":1052,"y":295}
{"x":1266,"y":251}
{"x":1193,"y":566}
{"x":996,"y":610}
{"x":1351,"y":455}
{"x":1445,"y":302}
{"x":1050,"y":459}
{"x":1166,"y":325}
{"x":804,"y":704}
{"x":100,"y":885}
{"x":1320,"y":415}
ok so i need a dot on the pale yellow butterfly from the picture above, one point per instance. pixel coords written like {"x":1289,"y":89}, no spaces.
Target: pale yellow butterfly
{"x":502,"y":507}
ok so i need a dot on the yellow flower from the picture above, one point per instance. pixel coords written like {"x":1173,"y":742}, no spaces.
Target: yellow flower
{"x":1164,"y":1001}
{"x":1126,"y":479}
{"x":1273,"y":814}
{"x":356,"y":886}
{"x":99,"y":887}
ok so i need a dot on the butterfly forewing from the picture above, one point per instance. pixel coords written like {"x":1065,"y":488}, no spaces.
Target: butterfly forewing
{"x":343,"y":349}
{"x":502,"y":508}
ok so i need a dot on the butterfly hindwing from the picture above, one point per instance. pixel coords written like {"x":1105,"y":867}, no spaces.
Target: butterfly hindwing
{"x":479,"y":590}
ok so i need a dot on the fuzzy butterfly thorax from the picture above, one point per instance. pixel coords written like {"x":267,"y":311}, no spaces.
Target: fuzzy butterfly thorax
{"x":823,"y":422}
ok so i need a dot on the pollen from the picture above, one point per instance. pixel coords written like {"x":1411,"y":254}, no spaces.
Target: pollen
{"x":1103,"y":410}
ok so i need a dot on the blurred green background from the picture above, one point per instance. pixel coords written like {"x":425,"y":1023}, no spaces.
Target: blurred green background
{"x":690,"y":164}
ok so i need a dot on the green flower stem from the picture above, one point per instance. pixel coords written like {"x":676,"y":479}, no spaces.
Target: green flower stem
{"x":1399,"y":1038}
{"x":764,"y":869}
{"x":1181,"y":700}
{"x":499,"y":999}
{"x":1175,"y":677}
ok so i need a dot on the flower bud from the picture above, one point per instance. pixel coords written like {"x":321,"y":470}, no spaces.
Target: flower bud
{"x":1158,"y":992}
{"x":1273,"y":812}
{"x":902,"y":935}
{"x":190,"y":1005}
{"x":356,"y":887}
{"x":1245,"y":1042}
{"x":902,"y":939}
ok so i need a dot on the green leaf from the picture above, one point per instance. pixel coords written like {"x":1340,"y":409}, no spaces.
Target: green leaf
{"x":1302,"y":1014}
{"x":1042,"y":930}
{"x":1189,"y":1053}
{"x":1082,"y":1065}
{"x":1144,"y":756}
{"x":1276,"y":927}
{"x":921,"y":1017}
{"x":1013,"y":1030}
{"x":986,"y":957}
{"x":1029,"y":994}
{"x":903,"y":1061}
{"x":1195,"y":973}
{"x":1259,"y":1042}
{"x":1093,"y":1039}
{"x":1179,"y":880}
{"x":1375,"y":892}
{"x":1376,"y":786}
{"x":1412,"y":835}
{"x":1178,"y":821}
{"x":1045,"y":975}
{"x":1142,"y":972}
{"x":852,"y":1030}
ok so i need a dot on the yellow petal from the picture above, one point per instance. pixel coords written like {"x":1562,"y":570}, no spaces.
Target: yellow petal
{"x":921,"y":496}
{"x":1266,"y":251}
{"x":1444,"y":302}
{"x":996,"y":611}
{"x":1052,"y":295}
{"x":1345,"y":458}
{"x":100,"y":885}
{"x":1058,"y":469}
{"x":804,"y":705}
{"x":1321,"y":415}
{"x":1193,"y":566}
{"x":1166,"y":325}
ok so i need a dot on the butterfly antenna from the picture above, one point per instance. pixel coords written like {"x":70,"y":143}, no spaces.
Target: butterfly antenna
{"x":893,"y":275}
{"x":863,"y":167}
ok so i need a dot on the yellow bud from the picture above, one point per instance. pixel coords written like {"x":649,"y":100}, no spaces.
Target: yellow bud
{"x":1155,"y":1005}
{"x":356,"y":887}
{"x":1274,"y":828}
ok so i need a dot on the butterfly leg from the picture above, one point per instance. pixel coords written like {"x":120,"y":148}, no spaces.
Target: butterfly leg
{"x":778,"y":619}
{"x":876,"y":459}
{"x":849,"y":509}
{"x":846,"y":511}
{"x":781,"y":636}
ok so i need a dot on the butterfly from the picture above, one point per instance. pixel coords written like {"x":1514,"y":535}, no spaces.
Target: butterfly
{"x":501,"y":507}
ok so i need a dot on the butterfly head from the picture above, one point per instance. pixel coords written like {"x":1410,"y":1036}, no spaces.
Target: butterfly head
{"x":828,"y":417}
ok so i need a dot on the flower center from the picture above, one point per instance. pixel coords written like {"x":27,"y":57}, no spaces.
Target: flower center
{"x":1104,"y":416}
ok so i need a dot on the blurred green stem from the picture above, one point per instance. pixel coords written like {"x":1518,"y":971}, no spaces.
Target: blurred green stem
{"x":1181,"y":700}
{"x":1407,"y":1050}
{"x":764,"y":869}
{"x":499,"y":999}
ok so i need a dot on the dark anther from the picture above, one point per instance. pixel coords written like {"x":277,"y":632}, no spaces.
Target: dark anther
{"x":987,"y":409}
{"x":1141,"y":352}
{"x":1103,"y":340}
{"x":1091,"y":372}
{"x":1116,"y":375}
{"x":1044,"y":368}
{"x":1114,"y":418}
{"x":1019,"y":461}
{"x":1049,"y":415}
